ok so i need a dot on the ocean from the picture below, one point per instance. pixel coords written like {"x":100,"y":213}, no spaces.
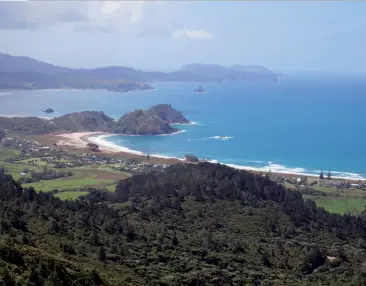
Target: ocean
{"x":302,"y":124}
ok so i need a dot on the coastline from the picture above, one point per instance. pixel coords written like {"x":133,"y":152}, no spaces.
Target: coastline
{"x":80,"y":139}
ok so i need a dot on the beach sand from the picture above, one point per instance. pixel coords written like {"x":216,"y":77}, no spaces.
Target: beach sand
{"x":79,"y":140}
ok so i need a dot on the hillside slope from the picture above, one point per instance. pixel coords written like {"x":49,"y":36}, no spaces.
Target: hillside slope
{"x":84,"y":121}
{"x":202,"y":224}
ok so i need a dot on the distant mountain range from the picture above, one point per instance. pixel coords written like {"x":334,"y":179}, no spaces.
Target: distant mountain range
{"x":28,"y":73}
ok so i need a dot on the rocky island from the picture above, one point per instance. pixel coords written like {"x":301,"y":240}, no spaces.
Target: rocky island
{"x":199,"y":90}
{"x":48,"y":110}
{"x":140,"y":122}
{"x":168,"y":114}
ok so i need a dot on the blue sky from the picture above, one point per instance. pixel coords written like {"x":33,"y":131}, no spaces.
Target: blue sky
{"x":284,"y":36}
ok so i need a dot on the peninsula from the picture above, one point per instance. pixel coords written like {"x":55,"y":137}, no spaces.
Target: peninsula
{"x":154,"y":121}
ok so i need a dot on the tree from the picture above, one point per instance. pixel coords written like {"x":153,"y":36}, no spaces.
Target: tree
{"x":54,"y":228}
{"x":102,"y":255}
{"x":265,"y":259}
{"x":321,"y":176}
{"x":313,"y":259}
{"x":329,"y":176}
{"x":175,"y":240}
{"x":94,"y":239}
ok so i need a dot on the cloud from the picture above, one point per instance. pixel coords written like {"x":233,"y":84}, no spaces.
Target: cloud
{"x":191,"y":34}
{"x":131,"y":17}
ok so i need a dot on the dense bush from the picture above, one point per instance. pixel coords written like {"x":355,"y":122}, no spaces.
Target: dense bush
{"x":195,"y":224}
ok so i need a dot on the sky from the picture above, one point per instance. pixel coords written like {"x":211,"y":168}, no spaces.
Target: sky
{"x":284,"y":36}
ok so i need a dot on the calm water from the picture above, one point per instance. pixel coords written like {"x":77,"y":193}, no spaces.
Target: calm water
{"x":302,"y":124}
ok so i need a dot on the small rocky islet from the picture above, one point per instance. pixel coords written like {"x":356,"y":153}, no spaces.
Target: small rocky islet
{"x":48,"y":110}
{"x":199,"y":90}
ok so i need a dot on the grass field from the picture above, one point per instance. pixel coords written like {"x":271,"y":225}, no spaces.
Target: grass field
{"x":82,"y":178}
{"x":37,"y":161}
{"x":6,"y":153}
{"x":325,"y":189}
{"x":15,"y":169}
{"x":339,"y":205}
{"x":70,"y":195}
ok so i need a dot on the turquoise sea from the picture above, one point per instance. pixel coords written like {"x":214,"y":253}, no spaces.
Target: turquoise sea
{"x":301,"y":125}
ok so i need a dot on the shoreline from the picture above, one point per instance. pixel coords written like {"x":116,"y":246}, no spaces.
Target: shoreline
{"x":80,"y":139}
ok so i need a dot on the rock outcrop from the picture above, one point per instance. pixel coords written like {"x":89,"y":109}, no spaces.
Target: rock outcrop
{"x":140,"y":122}
{"x":168,"y":114}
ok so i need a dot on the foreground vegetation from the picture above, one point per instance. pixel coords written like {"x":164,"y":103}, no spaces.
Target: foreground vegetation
{"x":202,"y":224}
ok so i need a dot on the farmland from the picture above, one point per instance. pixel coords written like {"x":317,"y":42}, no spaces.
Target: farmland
{"x":70,"y":187}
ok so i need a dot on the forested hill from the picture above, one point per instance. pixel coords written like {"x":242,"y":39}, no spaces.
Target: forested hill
{"x":197,"y":224}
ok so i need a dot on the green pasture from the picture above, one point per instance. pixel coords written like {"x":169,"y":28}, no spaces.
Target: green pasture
{"x":340,"y":205}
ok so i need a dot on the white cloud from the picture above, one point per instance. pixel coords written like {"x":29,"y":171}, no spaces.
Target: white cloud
{"x":135,"y":17}
{"x":144,"y":18}
{"x":191,"y":34}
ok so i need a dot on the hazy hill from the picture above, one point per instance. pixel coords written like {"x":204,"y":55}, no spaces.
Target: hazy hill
{"x":10,"y":63}
{"x":99,"y":77}
{"x":221,"y":73}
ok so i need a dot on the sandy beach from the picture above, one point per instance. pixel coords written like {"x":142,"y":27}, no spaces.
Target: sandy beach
{"x":81,"y":139}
